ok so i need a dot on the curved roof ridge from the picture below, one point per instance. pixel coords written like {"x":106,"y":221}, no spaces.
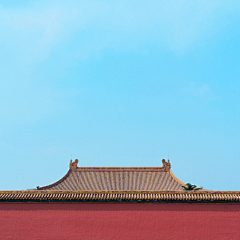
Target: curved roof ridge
{"x":56,"y":183}
{"x":175,"y":178}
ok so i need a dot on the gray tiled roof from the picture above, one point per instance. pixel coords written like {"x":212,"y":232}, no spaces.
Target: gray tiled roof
{"x":115,"y":179}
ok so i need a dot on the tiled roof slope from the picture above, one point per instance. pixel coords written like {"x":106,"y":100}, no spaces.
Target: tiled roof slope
{"x":117,"y":179}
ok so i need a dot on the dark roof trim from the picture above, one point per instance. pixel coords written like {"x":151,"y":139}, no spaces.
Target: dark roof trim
{"x":121,"y":196}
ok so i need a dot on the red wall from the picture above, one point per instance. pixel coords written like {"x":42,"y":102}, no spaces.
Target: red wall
{"x":119,"y":221}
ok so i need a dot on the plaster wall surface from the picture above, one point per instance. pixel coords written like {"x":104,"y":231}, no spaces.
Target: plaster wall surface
{"x":119,"y":221}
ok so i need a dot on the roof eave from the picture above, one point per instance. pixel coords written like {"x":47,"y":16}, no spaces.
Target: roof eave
{"x":121,"y":196}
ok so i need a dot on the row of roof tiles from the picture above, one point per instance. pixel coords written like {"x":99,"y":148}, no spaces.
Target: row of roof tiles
{"x":119,"y":196}
{"x":121,"y":180}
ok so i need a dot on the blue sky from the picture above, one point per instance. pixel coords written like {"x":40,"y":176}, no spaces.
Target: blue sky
{"x":120,"y":83}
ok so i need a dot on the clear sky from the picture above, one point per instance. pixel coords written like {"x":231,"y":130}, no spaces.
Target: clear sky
{"x":120,"y":83}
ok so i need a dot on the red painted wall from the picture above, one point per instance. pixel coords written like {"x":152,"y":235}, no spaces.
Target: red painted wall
{"x":119,"y":221}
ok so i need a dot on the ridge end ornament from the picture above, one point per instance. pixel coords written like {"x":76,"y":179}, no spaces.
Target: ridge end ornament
{"x":166,"y":165}
{"x":73,"y":165}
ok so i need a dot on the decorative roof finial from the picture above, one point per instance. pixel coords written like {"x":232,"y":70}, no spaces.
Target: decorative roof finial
{"x":166,"y":165}
{"x":73,"y":165}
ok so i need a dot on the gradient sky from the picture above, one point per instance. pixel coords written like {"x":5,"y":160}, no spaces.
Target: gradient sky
{"x":120,"y":83}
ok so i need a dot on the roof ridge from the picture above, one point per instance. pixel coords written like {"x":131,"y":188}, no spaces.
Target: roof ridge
{"x":166,"y":167}
{"x":120,"y":169}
